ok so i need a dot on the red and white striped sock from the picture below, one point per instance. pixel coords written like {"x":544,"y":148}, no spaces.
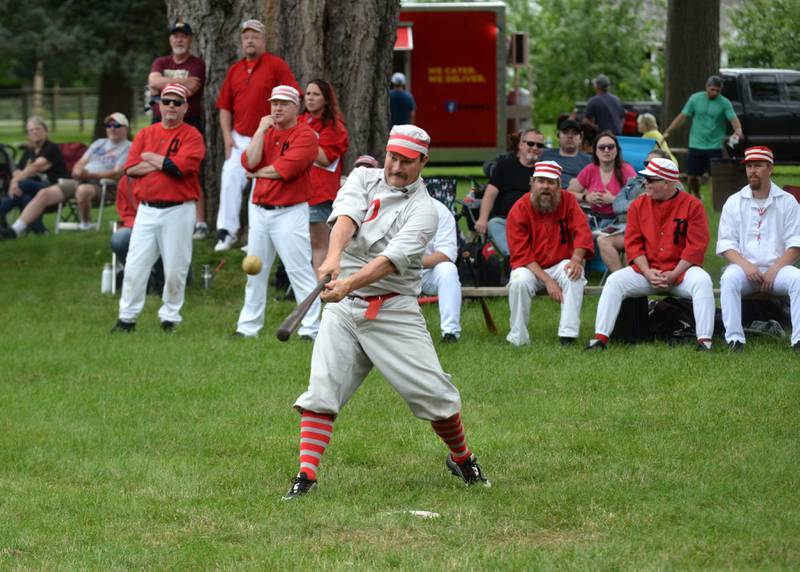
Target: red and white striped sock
{"x":315,"y":436}
{"x":451,"y":431}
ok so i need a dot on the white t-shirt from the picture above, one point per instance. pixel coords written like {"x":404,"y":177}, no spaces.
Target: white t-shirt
{"x":106,"y":156}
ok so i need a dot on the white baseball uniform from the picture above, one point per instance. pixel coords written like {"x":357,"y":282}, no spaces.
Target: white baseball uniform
{"x":761,"y":231}
{"x":397,"y":224}
{"x":442,"y":279}
{"x":233,"y":181}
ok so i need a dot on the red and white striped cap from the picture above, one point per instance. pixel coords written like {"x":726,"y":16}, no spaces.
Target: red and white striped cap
{"x":366,"y":161}
{"x":177,"y":89}
{"x":547,"y":169}
{"x":409,"y":141}
{"x":760,"y":153}
{"x":285,"y":93}
{"x":661,"y":168}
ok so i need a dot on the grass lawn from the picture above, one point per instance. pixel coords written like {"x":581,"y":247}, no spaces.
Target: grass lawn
{"x":150,"y":451}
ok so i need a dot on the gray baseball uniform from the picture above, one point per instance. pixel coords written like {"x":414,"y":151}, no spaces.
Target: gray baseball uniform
{"x":397,"y":224}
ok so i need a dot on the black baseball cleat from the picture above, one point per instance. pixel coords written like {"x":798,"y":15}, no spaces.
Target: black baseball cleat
{"x":566,"y":342}
{"x":449,"y":339}
{"x":125,"y":327}
{"x":595,"y":345}
{"x":469,"y":471}
{"x":7,"y":233}
{"x":736,"y":347}
{"x":703,"y":347}
{"x":167,"y":326}
{"x":301,"y":485}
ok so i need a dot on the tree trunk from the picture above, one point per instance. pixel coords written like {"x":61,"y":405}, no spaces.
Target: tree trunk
{"x":692,"y":55}
{"x":113,"y":94}
{"x":348,"y":42}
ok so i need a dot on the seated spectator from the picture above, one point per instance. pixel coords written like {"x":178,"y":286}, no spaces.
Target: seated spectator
{"x":759,"y":235}
{"x":599,"y":182}
{"x":509,"y":181}
{"x":41,"y":163}
{"x":611,"y":241}
{"x":588,"y":135}
{"x":440,"y":275}
{"x":549,"y":238}
{"x":648,"y":127}
{"x":665,"y":242}
{"x":103,"y":159}
{"x":568,"y":154}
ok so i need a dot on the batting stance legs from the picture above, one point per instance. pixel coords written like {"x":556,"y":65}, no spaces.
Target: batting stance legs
{"x":283,"y":231}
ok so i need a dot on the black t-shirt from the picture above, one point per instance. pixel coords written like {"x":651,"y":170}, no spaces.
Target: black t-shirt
{"x":513,"y":179}
{"x":51,"y":152}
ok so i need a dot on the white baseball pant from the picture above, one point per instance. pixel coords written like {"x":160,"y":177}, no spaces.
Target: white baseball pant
{"x":734,"y":284}
{"x":522,"y":287}
{"x":168,"y":233}
{"x":443,"y":280}
{"x":627,"y":283}
{"x":397,"y":342}
{"x":233,"y":182}
{"x":285,"y":232}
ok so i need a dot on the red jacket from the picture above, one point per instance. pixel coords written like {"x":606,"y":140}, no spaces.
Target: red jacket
{"x":292,"y":152}
{"x":547,"y":239}
{"x":666,"y":231}
{"x":333,"y":142}
{"x":184,"y":146}
{"x":126,"y":204}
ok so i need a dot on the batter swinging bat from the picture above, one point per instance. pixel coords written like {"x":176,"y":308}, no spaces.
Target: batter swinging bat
{"x":292,"y":321}
{"x":487,"y":315}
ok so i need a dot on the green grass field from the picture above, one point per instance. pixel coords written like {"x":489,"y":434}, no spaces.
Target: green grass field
{"x":149,"y":451}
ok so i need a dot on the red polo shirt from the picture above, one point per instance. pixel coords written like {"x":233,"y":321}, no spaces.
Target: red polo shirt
{"x":184,"y":146}
{"x":666,"y":231}
{"x":292,"y":152}
{"x":245,"y":93}
{"x":333,"y":142}
{"x":547,"y":239}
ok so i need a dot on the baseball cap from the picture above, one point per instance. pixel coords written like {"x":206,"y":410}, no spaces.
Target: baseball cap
{"x":366,"y":161}
{"x":547,"y":169}
{"x":285,"y":93}
{"x":177,"y":89}
{"x":409,"y":141}
{"x":118,"y":117}
{"x":254,"y":25}
{"x":661,"y":168}
{"x":180,"y":26}
{"x":398,"y":79}
{"x":759,"y":153}
{"x":569,"y":124}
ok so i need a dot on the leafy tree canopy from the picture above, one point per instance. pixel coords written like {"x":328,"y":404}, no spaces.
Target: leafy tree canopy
{"x":766,"y":34}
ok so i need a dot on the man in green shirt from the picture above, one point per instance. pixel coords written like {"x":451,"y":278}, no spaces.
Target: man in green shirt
{"x":709,"y":110}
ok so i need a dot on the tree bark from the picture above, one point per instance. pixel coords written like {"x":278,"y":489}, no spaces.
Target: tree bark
{"x":113,"y":94}
{"x":692,"y":55}
{"x":348,"y":42}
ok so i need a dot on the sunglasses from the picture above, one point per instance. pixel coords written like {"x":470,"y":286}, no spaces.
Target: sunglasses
{"x":114,"y":125}
{"x":534,"y":144}
{"x":608,"y":147}
{"x":172,"y":102}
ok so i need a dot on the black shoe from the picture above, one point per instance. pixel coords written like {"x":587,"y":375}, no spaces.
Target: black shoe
{"x":7,"y":233}
{"x":736,"y":347}
{"x":703,"y":347}
{"x":565,"y":342}
{"x":237,"y":335}
{"x":306,"y":338}
{"x":469,"y":471}
{"x":126,"y":327}
{"x":796,"y":348}
{"x":595,"y":345}
{"x":301,"y":485}
{"x":449,"y":339}
{"x":167,"y":326}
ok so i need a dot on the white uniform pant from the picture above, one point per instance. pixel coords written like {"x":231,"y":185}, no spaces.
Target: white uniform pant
{"x":397,"y":342}
{"x":627,"y":283}
{"x":233,"y":181}
{"x":443,"y":280}
{"x":168,"y":233}
{"x":522,"y":287}
{"x":734,"y":284}
{"x":285,"y":232}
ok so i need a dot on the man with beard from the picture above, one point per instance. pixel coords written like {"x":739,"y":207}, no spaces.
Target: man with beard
{"x":549,"y":238}
{"x":510,"y":180}
{"x":568,"y":154}
{"x":759,"y":235}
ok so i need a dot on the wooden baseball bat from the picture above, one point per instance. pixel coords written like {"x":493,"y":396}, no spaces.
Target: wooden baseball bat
{"x":292,"y":321}
{"x":487,"y":314}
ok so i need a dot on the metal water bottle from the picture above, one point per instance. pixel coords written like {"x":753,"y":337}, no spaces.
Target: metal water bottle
{"x":207,"y":276}
{"x":106,"y":279}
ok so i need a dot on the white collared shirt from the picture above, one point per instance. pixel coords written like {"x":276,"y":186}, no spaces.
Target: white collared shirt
{"x":445,"y":240}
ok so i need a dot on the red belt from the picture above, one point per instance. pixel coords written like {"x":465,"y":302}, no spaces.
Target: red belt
{"x":375,"y":303}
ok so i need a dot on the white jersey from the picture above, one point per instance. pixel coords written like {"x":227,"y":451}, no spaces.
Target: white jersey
{"x":392,"y":222}
{"x":761,"y":234}
{"x":445,"y":240}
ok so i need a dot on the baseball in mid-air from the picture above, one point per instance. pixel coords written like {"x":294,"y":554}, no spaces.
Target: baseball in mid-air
{"x":251,"y":264}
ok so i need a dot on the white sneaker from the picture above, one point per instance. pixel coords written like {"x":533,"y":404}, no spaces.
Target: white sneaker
{"x":200,"y":231}
{"x":225,"y":243}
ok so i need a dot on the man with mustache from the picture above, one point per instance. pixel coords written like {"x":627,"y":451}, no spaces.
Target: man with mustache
{"x":382,"y":221}
{"x":759,"y":235}
{"x":549,"y":238}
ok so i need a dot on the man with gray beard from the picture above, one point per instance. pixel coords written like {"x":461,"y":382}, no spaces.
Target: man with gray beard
{"x":549,"y":238}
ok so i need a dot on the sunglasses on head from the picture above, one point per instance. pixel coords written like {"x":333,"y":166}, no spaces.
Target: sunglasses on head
{"x":113,"y":125}
{"x":534,"y":144}
{"x":607,"y":147}
{"x":172,"y":102}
